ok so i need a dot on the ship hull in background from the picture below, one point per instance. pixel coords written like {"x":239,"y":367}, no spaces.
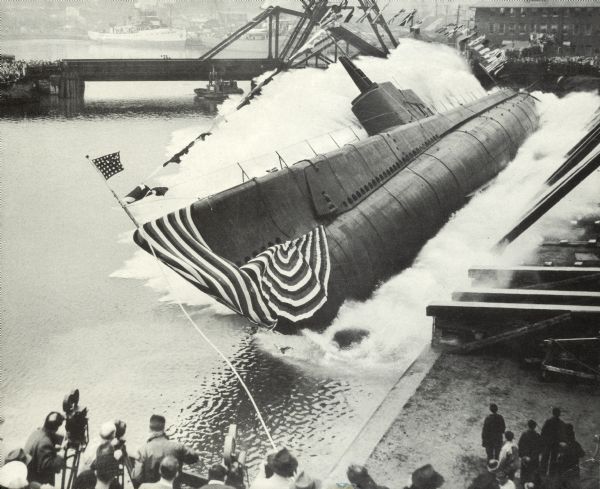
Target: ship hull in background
{"x":377,"y":201}
{"x":162,"y":36}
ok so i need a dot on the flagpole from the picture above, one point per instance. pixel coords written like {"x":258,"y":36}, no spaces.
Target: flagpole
{"x":117,"y":198}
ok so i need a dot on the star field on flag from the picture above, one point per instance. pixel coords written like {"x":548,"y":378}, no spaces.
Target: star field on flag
{"x":109,"y":165}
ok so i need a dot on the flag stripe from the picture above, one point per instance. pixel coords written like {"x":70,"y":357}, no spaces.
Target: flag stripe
{"x":287,"y":280}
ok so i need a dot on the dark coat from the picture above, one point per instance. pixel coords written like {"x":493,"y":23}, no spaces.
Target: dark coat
{"x":493,"y":429}
{"x":156,"y":448}
{"x":552,"y":432}
{"x":45,"y":460}
{"x":530,"y":445}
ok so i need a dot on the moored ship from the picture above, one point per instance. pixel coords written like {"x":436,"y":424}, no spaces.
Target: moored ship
{"x":149,"y":31}
{"x":288,"y":248}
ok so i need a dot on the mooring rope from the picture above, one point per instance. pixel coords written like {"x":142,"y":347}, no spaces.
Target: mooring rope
{"x":208,"y":341}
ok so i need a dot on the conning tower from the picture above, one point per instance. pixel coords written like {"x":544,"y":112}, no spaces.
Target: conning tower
{"x":382,"y":106}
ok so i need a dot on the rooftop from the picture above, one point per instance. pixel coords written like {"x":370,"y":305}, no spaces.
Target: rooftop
{"x":536,"y":3}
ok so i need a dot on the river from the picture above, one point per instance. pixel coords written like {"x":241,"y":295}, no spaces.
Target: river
{"x":67,"y":324}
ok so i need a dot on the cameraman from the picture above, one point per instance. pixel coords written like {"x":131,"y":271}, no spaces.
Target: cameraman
{"x":42,"y":446}
{"x":157,"y":447}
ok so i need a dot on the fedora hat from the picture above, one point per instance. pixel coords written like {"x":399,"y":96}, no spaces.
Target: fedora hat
{"x":426,"y":478}
{"x":18,"y":455}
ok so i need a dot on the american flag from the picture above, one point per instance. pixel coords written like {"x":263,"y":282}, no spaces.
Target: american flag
{"x":109,"y":165}
{"x":287,"y":280}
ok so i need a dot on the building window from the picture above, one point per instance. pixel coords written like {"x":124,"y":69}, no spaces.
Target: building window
{"x":502,"y":11}
{"x":576,"y":29}
{"x":555,"y":13}
{"x":588,"y":29}
{"x":567,"y":12}
{"x":511,"y":27}
{"x":533,"y":27}
{"x":543,"y":28}
{"x":566,"y":28}
{"x":512,"y":12}
{"x":501,"y":29}
{"x":554,"y":28}
{"x":522,"y":12}
{"x":544,"y":12}
{"x":521,"y":28}
{"x":491,"y":28}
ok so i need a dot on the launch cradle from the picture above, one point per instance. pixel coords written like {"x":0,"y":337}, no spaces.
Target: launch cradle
{"x":288,"y":248}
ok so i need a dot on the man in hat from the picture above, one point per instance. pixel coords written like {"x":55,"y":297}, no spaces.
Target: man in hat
{"x":359,"y":477}
{"x":530,"y":449}
{"x":41,"y":446}
{"x":491,"y":434}
{"x":552,"y":433}
{"x":281,"y":466}
{"x":158,"y":446}
{"x":216,"y":478}
{"x":168,"y":469}
{"x":13,"y":475}
{"x":105,"y":444}
{"x":426,"y":478}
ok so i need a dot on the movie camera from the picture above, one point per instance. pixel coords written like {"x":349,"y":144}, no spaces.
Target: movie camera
{"x":76,"y":426}
{"x":76,"y":423}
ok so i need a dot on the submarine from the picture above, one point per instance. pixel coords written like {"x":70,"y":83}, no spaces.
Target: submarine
{"x":286,"y":249}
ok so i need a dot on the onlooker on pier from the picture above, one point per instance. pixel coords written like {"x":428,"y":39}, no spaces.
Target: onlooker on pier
{"x":530,"y":449}
{"x":41,"y":445}
{"x":277,"y":472}
{"x":107,"y":434}
{"x":491,"y":434}
{"x":168,"y":469}
{"x":104,"y":475}
{"x":552,"y":432}
{"x":508,"y":462}
{"x":216,"y":478}
{"x":426,"y":478}
{"x":107,"y":470}
{"x":569,"y":453}
{"x":158,"y":446}
{"x":13,"y":475}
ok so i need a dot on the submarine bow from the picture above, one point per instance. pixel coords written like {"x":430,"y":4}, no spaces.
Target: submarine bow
{"x":288,"y":280}
{"x":289,"y":247}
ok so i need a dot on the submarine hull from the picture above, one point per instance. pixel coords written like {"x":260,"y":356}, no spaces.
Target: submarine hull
{"x":293,"y":245}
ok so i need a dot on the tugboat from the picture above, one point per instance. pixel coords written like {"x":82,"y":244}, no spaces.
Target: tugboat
{"x":217,"y":88}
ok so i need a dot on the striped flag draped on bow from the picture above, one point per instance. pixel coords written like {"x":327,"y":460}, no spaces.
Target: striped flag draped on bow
{"x":287,"y":280}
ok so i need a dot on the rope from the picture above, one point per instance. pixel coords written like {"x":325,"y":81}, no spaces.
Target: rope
{"x":208,"y":341}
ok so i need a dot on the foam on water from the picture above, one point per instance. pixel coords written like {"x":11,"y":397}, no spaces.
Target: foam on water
{"x":307,"y":104}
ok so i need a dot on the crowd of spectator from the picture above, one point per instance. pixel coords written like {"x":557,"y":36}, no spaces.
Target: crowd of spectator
{"x":531,"y":463}
{"x":546,"y":459}
{"x":12,"y":71}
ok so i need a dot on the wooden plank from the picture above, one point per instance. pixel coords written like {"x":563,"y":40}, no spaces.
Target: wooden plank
{"x":512,"y":334}
{"x":528,"y":296}
{"x":538,"y":277}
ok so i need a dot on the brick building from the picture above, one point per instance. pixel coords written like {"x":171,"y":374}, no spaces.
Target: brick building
{"x":574,"y":25}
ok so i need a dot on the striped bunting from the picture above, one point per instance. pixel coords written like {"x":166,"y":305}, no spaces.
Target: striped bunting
{"x":287,"y":280}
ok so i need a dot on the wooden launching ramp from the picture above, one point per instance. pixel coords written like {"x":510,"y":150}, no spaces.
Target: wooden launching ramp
{"x":557,"y":297}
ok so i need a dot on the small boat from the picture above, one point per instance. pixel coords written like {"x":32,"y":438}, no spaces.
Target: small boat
{"x":217,"y":88}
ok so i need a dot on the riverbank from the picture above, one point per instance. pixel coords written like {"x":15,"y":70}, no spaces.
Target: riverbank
{"x":441,"y":423}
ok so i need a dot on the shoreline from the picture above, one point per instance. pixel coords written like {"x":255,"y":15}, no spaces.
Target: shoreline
{"x":441,"y":423}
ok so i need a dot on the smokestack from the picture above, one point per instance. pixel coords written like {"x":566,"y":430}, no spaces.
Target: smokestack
{"x":358,"y":77}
